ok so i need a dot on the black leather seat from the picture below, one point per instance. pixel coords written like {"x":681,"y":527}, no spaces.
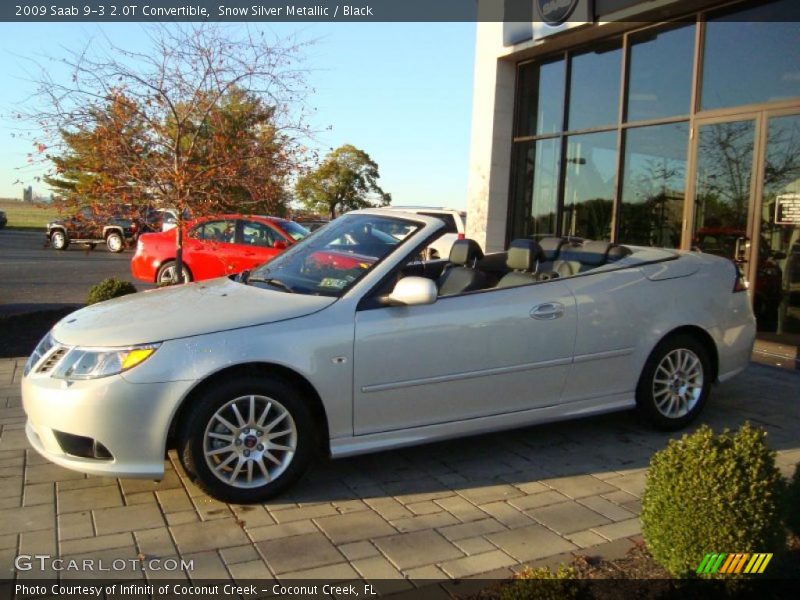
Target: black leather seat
{"x":523,"y":259}
{"x":462,"y":276}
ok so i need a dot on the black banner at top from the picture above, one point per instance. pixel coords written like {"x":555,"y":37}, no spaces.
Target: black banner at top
{"x":365,"y":10}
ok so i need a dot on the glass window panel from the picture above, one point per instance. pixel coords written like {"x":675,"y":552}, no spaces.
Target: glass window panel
{"x":653,"y":182}
{"x":722,"y":185}
{"x":541,"y":104}
{"x":589,"y":185}
{"x":660,"y":74}
{"x":594,"y":87}
{"x":754,"y":58}
{"x":777,"y":287}
{"x":536,"y":200}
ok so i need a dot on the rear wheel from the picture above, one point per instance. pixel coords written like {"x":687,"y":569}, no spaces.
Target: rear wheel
{"x":58,"y":240}
{"x":675,"y":382}
{"x":114,"y":242}
{"x":168,"y":274}
{"x":247,"y":440}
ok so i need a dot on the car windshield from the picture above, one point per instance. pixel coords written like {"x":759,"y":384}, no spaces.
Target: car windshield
{"x":295,"y":230}
{"x":332,"y":260}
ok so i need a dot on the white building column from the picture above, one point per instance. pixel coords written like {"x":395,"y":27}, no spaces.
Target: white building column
{"x":490,"y":142}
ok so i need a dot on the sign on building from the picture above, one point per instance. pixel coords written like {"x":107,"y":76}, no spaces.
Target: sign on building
{"x":787,"y":209}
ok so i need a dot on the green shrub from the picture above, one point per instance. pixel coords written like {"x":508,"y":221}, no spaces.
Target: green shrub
{"x":792,"y":511}
{"x":712,"y":493}
{"x":108,"y":289}
{"x":543,"y":584}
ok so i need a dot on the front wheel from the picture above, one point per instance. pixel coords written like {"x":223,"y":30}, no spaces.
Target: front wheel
{"x":247,"y":440}
{"x":114,"y":242}
{"x":675,"y":383}
{"x":58,"y":240}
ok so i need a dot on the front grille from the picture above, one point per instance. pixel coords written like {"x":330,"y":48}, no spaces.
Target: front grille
{"x":52,"y":360}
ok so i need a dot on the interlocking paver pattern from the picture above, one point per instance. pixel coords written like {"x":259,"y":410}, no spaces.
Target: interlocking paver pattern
{"x":448,"y":510}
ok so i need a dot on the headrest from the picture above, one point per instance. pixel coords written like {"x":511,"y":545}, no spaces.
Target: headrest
{"x":618,"y":252}
{"x":592,"y":253}
{"x":524,"y":255}
{"x":551,"y":247}
{"x":465,"y":252}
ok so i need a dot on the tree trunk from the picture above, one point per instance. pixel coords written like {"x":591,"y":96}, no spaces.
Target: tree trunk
{"x":178,"y":278}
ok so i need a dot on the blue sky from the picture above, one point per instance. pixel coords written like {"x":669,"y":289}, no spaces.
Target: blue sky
{"x":401,"y":92}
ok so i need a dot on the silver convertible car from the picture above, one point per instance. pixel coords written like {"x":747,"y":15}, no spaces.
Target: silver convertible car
{"x":349,"y":343}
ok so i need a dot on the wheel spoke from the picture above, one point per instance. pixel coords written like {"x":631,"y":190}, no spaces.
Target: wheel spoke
{"x":237,"y":469}
{"x":279,"y":447}
{"x":222,"y":450}
{"x":272,"y":436}
{"x":275,"y":422}
{"x":231,"y":427}
{"x":239,"y":419}
{"x":252,"y":417}
{"x":249,"y":471}
{"x":220,"y":436}
{"x":270,"y":456}
{"x":263,"y":468}
{"x":260,"y":422}
{"x":225,"y":462}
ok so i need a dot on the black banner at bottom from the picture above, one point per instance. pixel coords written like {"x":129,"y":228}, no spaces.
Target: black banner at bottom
{"x":480,"y":589}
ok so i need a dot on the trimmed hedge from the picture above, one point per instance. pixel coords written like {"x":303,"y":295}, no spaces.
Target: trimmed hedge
{"x":793,"y":502}
{"x":712,"y":493}
{"x":544,"y":584}
{"x":108,"y":289}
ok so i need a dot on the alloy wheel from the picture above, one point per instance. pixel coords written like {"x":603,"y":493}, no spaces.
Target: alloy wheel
{"x":678,"y":383}
{"x":250,"y":441}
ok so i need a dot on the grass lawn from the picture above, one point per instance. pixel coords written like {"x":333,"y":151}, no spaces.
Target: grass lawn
{"x":27,"y":216}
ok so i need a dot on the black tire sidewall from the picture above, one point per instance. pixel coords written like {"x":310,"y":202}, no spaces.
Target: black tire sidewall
{"x":644,"y":391}
{"x":192,"y":428}
{"x":187,"y":274}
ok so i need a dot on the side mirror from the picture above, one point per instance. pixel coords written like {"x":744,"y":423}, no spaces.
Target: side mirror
{"x":279,"y":245}
{"x":412,"y":291}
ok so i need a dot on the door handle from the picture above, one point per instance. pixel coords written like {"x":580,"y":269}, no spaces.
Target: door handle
{"x":547,"y":311}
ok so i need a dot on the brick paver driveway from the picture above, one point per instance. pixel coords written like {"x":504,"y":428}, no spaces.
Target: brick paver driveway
{"x":473,"y":506}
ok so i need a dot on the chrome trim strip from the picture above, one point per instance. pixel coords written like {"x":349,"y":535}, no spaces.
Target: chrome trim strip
{"x":582,"y":358}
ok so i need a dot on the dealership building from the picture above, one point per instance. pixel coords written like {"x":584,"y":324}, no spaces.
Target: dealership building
{"x":672,"y":123}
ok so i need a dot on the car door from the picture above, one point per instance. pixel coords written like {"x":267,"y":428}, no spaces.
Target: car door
{"x":205,"y":250}
{"x":462,"y":357}
{"x":256,"y":244}
{"x":83,"y":224}
{"x":616,"y":309}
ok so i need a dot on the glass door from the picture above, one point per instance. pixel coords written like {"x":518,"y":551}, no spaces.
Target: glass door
{"x":724,"y":189}
{"x":777,"y":276}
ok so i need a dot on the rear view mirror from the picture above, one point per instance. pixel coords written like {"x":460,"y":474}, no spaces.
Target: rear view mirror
{"x":279,"y":245}
{"x":413,"y":291}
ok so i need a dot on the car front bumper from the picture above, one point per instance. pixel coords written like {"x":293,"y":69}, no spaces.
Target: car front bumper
{"x":130,"y":420}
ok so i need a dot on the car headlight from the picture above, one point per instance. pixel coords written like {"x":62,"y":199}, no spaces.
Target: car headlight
{"x":43,"y":347}
{"x":93,"y":363}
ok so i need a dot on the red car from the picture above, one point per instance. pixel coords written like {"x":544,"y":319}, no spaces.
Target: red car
{"x":214,"y":246}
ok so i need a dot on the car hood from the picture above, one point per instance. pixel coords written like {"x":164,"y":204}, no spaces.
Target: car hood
{"x":182,"y":311}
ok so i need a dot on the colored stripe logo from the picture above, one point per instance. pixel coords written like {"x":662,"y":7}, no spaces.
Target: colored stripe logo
{"x":729,"y":564}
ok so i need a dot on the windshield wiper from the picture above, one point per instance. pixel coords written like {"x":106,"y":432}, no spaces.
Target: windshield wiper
{"x":270,"y":281}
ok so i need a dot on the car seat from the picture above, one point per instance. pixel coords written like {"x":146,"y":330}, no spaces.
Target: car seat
{"x":523,"y":259}
{"x":462,"y":276}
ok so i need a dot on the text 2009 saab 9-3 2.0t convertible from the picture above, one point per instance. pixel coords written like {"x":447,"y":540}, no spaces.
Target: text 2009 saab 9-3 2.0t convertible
{"x":349,"y":343}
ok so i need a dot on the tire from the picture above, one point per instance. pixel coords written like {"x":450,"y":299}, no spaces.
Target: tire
{"x":227,"y":455}
{"x":166,"y":273}
{"x":59,"y":240}
{"x":675,"y":383}
{"x":114,"y":242}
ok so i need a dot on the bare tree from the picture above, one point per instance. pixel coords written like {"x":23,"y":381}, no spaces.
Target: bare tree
{"x":214,"y":113}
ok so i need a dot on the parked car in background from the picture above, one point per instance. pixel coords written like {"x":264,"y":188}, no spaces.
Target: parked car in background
{"x":768,"y":290}
{"x":116,"y":226}
{"x":251,"y":378}
{"x":455,"y":223}
{"x":3,"y":219}
{"x":313,"y":224}
{"x":214,"y":246}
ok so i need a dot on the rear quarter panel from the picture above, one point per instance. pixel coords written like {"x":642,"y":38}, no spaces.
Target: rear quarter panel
{"x":623,"y":315}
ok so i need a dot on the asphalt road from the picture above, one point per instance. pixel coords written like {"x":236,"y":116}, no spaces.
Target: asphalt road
{"x":35,"y":277}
